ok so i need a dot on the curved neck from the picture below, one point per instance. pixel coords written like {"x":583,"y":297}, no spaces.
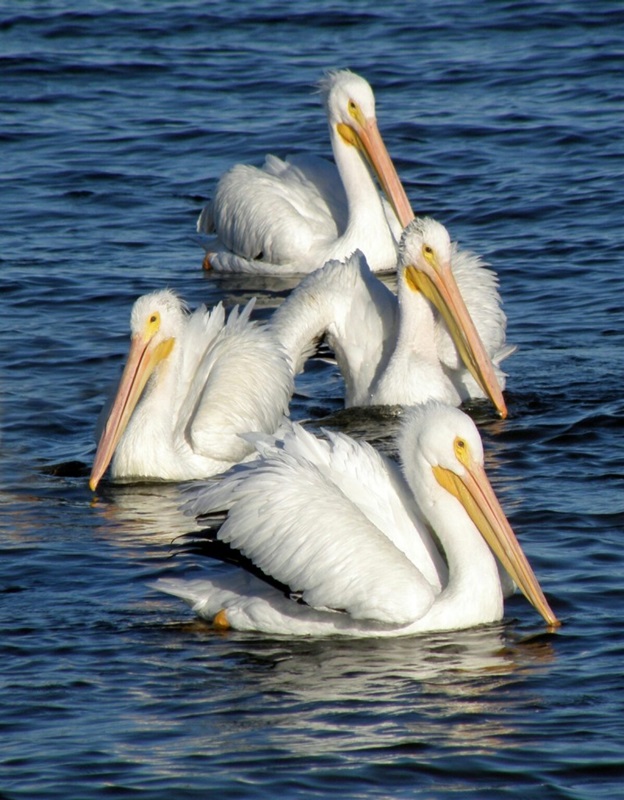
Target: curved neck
{"x":298,"y":324}
{"x":413,"y":373}
{"x":363,"y":199}
{"x":473,"y":594}
{"x":155,"y":409}
{"x":416,"y":334}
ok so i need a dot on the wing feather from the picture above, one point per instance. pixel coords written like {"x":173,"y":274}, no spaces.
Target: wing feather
{"x":376,"y":486}
{"x":284,"y":216}
{"x":298,"y":524}
{"x":219,"y":406}
{"x":273,"y":216}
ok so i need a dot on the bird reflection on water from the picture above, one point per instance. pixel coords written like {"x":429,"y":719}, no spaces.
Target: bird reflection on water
{"x":383,"y":699}
{"x":147,"y":513}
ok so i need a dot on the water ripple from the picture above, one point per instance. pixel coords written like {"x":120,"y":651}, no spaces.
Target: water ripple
{"x":506,"y":125}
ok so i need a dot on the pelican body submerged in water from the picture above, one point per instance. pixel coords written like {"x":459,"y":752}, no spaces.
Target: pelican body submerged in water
{"x":292,"y":216}
{"x":335,"y":539}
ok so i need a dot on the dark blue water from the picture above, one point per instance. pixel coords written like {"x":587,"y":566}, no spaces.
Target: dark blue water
{"x":505,"y":120}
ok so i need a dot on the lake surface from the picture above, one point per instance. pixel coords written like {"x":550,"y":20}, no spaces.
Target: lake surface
{"x":505,"y":121}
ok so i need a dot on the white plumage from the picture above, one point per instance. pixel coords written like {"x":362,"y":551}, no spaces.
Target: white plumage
{"x":192,"y":383}
{"x":442,"y":337}
{"x":292,"y":216}
{"x":344,"y":530}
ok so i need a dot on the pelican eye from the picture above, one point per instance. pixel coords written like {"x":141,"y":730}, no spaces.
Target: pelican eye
{"x":354,"y":110}
{"x":153,"y":322}
{"x":461,"y":450}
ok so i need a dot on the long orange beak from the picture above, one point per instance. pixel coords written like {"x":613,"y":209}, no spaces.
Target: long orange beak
{"x":364,"y":134}
{"x":436,"y":281}
{"x":475,"y":493}
{"x":142,"y":359}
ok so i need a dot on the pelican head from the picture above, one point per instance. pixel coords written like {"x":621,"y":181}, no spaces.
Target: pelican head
{"x":425,"y":262}
{"x":155,"y":322}
{"x":350,"y":105}
{"x":449,"y":445}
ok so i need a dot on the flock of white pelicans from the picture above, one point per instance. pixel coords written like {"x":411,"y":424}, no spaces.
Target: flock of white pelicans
{"x":329,"y":536}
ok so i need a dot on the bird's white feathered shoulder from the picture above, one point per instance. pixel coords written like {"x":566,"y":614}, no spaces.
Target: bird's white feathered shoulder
{"x":357,"y":468}
{"x":238,"y":353}
{"x":314,"y":185}
{"x":271,"y":215}
{"x":364,"y":329}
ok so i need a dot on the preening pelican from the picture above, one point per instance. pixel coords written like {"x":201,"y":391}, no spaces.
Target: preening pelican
{"x":192,"y":383}
{"x":337,"y":539}
{"x":441,"y":337}
{"x":292,"y":216}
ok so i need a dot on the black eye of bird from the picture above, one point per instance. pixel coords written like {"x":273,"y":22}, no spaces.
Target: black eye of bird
{"x":153,"y":318}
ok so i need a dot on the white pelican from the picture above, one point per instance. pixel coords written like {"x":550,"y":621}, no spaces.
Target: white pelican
{"x":192,"y":383}
{"x":337,"y":538}
{"x":292,"y":216}
{"x":393,"y":350}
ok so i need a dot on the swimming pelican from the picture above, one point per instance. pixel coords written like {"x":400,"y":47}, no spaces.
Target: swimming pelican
{"x":337,"y":539}
{"x":292,"y":216}
{"x":392,"y":349}
{"x":192,"y":383}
